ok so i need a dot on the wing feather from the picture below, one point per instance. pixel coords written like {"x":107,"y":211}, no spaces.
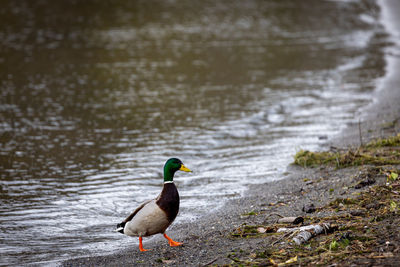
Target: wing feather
{"x":129,"y":218}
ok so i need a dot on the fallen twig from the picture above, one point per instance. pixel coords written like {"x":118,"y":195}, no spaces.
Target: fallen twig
{"x":276,"y":214}
{"x":293,"y":220}
{"x":210,"y":262}
{"x":282,"y":237}
{"x":307,"y":232}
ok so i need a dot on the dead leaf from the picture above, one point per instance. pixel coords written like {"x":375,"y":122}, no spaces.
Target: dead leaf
{"x":273,"y":262}
{"x":289,"y":261}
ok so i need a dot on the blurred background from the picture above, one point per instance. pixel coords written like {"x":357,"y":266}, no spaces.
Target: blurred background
{"x":97,"y":95}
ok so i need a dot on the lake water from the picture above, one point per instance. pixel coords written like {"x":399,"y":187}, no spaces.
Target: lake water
{"x":97,"y":95}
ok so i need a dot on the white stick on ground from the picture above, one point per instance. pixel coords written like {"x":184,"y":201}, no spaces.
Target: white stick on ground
{"x":305,"y":233}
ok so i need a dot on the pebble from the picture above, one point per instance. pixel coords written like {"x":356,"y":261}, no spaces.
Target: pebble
{"x":309,"y":208}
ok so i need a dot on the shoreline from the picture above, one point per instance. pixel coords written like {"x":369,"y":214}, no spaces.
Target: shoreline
{"x":380,"y":118}
{"x":208,"y":240}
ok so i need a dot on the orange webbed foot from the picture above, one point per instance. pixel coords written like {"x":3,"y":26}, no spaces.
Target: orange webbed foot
{"x":141,"y":245}
{"x":171,"y":242}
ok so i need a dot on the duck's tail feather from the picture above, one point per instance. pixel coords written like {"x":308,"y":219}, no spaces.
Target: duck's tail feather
{"x":120,"y":227}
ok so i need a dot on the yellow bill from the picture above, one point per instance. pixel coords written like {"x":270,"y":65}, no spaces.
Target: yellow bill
{"x":184,"y":168}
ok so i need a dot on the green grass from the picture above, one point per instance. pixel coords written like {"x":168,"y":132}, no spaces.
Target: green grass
{"x":392,"y":141}
{"x":379,"y":152}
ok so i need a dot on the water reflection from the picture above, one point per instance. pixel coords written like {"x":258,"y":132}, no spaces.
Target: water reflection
{"x":96,"y":95}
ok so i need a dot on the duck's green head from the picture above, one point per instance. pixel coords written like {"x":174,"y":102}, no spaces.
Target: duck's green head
{"x":171,"y":166}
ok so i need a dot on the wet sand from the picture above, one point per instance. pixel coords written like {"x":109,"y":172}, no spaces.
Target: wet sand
{"x":208,"y":241}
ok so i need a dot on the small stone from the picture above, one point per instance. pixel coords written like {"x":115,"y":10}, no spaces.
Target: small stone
{"x":365,"y":182}
{"x":374,"y":205}
{"x":261,"y":230}
{"x":309,"y":208}
{"x":356,"y":212}
{"x":167,"y":261}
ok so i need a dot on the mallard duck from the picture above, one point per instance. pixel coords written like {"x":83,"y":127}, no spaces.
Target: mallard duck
{"x":154,"y":216}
